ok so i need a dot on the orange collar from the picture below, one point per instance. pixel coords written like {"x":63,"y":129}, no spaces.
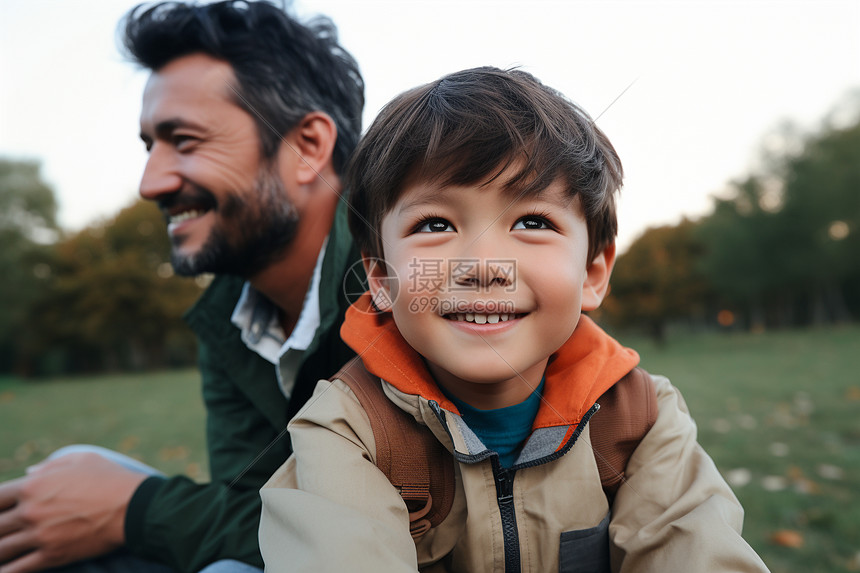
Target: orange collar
{"x":585,"y":366}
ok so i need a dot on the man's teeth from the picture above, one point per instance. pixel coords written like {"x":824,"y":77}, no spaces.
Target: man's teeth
{"x":482,"y":318}
{"x":184,"y":216}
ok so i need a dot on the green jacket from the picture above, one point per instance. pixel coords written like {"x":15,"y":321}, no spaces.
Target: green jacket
{"x":188,"y":525}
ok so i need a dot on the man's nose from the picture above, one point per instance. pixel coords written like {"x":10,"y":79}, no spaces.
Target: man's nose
{"x":161,"y":174}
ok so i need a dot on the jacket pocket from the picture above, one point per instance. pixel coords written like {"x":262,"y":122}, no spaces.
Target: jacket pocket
{"x":585,"y":550}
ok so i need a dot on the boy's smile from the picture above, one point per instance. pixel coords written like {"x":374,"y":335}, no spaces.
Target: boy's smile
{"x":491,"y":284}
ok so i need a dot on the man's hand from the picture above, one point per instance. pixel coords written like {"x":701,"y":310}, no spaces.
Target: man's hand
{"x":64,"y":510}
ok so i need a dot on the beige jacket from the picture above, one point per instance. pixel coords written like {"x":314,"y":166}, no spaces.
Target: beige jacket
{"x":329,"y":508}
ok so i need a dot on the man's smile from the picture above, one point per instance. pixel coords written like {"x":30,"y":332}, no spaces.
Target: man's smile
{"x":186,"y":205}
{"x":183,"y":216}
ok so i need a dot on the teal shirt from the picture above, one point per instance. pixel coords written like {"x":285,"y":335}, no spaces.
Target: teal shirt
{"x":502,"y":430}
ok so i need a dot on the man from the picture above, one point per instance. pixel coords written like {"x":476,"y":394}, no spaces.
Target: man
{"x":249,"y":118}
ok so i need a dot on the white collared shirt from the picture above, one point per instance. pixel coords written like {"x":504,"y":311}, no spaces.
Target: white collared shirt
{"x":257,"y":317}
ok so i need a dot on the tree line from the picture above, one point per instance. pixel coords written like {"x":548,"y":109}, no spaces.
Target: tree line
{"x":780,"y":249}
{"x":100,"y":299}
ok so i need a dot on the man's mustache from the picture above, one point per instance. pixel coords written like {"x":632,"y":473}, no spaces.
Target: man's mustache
{"x":189,"y":197}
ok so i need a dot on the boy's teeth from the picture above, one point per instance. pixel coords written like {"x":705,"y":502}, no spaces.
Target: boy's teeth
{"x":185,"y":215}
{"x":482,"y":318}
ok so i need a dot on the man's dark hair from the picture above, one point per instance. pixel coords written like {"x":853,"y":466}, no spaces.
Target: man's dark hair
{"x":284,"y":69}
{"x":467,"y":129}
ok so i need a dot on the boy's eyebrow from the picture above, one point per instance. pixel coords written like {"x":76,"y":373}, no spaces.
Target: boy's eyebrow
{"x":555,"y":196}
{"x":429,"y":196}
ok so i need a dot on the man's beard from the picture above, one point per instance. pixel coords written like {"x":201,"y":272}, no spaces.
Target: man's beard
{"x":246,"y":238}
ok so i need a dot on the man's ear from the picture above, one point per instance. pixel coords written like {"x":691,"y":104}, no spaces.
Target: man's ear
{"x":311,"y":143}
{"x":378,"y":282}
{"x":596,"y":283}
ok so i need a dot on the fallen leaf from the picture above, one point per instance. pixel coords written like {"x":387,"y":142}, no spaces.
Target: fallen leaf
{"x":128,"y":444}
{"x":787,"y":538}
{"x":25,"y":451}
{"x":192,"y":470}
{"x":721,"y":425}
{"x":795,"y":473}
{"x":779,"y":449}
{"x":803,"y":404}
{"x":783,"y":416}
{"x":6,"y":397}
{"x":174,"y":453}
{"x":738,"y":477}
{"x":829,"y":471}
{"x":774,"y":483}
{"x":747,"y":422}
{"x":806,"y":486}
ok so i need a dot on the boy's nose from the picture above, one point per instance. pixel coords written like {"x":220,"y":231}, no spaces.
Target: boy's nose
{"x":484,"y":273}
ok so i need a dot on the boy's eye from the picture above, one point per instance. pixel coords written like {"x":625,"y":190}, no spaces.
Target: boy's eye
{"x":435,"y":226}
{"x":532,"y":222}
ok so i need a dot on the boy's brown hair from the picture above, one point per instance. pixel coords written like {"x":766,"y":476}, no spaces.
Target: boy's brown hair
{"x":466,"y":129}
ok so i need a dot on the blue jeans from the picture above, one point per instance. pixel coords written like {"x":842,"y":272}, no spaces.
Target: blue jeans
{"x":122,"y":561}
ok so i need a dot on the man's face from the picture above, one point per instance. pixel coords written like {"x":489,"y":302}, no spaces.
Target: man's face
{"x":488,"y":285}
{"x":227,"y":209}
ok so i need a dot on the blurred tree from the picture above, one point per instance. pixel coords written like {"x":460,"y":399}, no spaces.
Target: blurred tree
{"x":785,"y":245}
{"x":741,"y":241}
{"x":822,"y":211}
{"x":114,"y":302}
{"x":780,"y":248}
{"x":27,"y":225}
{"x":656,"y":280}
{"x":27,"y":204}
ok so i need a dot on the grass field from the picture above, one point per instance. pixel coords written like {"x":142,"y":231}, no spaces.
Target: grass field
{"x":157,"y":418}
{"x":778,"y":412}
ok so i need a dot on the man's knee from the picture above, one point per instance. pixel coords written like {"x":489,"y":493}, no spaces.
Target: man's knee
{"x":83,"y":449}
{"x":230,"y":566}
{"x":117,"y":562}
{"x":110,"y":455}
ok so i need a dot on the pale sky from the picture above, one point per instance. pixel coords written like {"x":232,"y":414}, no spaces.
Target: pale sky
{"x":710,"y":80}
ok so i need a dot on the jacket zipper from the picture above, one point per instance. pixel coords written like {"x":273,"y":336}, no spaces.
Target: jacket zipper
{"x":505,"y":496}
{"x":504,"y":479}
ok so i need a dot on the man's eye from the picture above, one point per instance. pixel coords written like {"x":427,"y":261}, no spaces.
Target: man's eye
{"x":183,"y":141}
{"x":532,"y":222}
{"x":435,"y":226}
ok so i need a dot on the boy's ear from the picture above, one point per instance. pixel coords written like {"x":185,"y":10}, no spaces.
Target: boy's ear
{"x":596,"y":282}
{"x":378,"y":282}
{"x":312,"y":140}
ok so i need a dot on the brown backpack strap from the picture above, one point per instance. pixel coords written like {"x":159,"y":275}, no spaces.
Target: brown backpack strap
{"x":627,"y":412}
{"x":409,"y":455}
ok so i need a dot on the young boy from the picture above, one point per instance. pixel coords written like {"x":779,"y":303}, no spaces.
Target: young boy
{"x":484,"y":206}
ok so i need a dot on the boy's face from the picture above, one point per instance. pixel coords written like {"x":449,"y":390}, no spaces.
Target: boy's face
{"x":489,"y":285}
